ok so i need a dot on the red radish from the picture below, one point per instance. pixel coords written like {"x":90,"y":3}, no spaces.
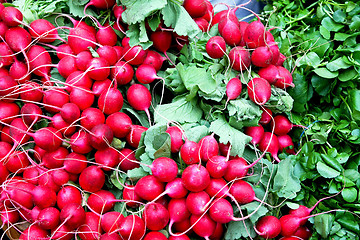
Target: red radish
{"x":176,"y":138}
{"x":91,"y":117}
{"x":164,"y":169}
{"x":30,"y":91}
{"x":178,"y":211}
{"x":110,"y":221}
{"x":56,"y":98}
{"x":110,"y":101}
{"x":4,"y":173}
{"x":209,"y":147}
{"x":285,"y":142}
{"x":134,"y":136}
{"x":254,"y":34}
{"x":237,"y":168}
{"x":270,"y":73}
{"x":268,"y":227}
{"x":197,"y":202}
{"x":161,"y":40}
{"x":176,"y":189}
{"x":73,"y":215}
{"x":99,"y":69}
{"x":139,"y":97}
{"x":70,"y":112}
{"x":110,"y":236}
{"x":67,"y":66}
{"x":202,"y":23}
{"x":62,"y":232}
{"x":243,"y":192}
{"x":122,"y":72}
{"x":9,"y":217}
{"x":47,"y":138}
{"x":33,"y":232}
{"x":11,"y":16}
{"x":270,"y":144}
{"x":290,"y":224}
{"x":239,"y":58}
{"x":230,"y":30}
{"x":131,"y":197}
{"x":43,"y":197}
{"x":78,"y":79}
{"x":106,"y":35}
{"x":216,"y":47}
{"x":196,"y":178}
{"x":179,"y":237}
{"x":46,"y":179}
{"x":39,"y":61}
{"x":127,"y":160}
{"x":83,"y":59}
{"x":243,"y":25}
{"x":8,"y":111}
{"x":92,"y":179}
{"x":101,"y":201}
{"x":3,"y":29}
{"x":256,"y":133}
{"x":63,"y":50}
{"x":55,"y":159}
{"x":146,"y":74}
{"x":303,"y":232}
{"x":67,"y":195}
{"x":44,"y":31}
{"x":49,"y":218}
{"x":263,"y":56}
{"x":120,"y":124}
{"x":109,"y":53}
{"x":107,"y":158}
{"x":218,"y":188}
{"x":18,"y":131}
{"x":155,"y":236}
{"x":80,"y":39}
{"x":134,"y":55}
{"x":281,"y":60}
{"x":17,"y":162}
{"x":209,"y":11}
{"x":190,"y":152}
{"x":99,"y":87}
{"x":149,"y":188}
{"x":7,"y":57}
{"x":90,"y":229}
{"x":75,"y":163}
{"x":204,"y":225}
{"x":18,"y":39}
{"x":155,"y":216}
{"x":233,"y":88}
{"x":132,"y":227}
{"x":217,"y":166}
{"x":195,"y":8}
{"x":218,"y":16}
{"x":285,"y":79}
{"x":60,"y":177}
{"x":281,"y":125}
{"x":259,"y":90}
{"x":20,"y":194}
{"x":155,"y":59}
{"x":183,"y":226}
{"x":266,"y":116}
{"x":221,"y":211}
{"x":100,"y":4}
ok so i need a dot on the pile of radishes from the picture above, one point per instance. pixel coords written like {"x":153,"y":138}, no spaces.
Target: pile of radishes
{"x":56,"y":143}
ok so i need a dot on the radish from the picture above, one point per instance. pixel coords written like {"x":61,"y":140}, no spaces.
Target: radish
{"x":179,"y":237}
{"x":134,"y":136}
{"x":149,"y":188}
{"x":229,"y":29}
{"x":259,"y":90}
{"x":91,"y":117}
{"x":106,"y":35}
{"x":190,"y":152}
{"x":11,"y":16}
{"x":155,"y":59}
{"x":303,"y":232}
{"x":63,"y":50}
{"x":197,"y":202}
{"x":132,"y":227}
{"x":108,"y":158}
{"x":72,"y":215}
{"x":202,"y":23}
{"x":62,"y":232}
{"x":256,"y":133}
{"x":233,"y":89}
{"x":68,"y":194}
{"x":216,"y":47}
{"x":209,"y":147}
{"x":122,"y":72}
{"x":266,"y":116}
{"x":254,"y":34}
{"x":110,"y":221}
{"x":90,"y":229}
{"x":268,"y":227}
{"x":195,"y":8}
{"x":39,"y":61}
{"x":110,"y":236}
{"x":204,"y":225}
{"x":281,"y":60}
{"x":109,"y":53}
{"x":3,"y":29}
{"x":99,"y":87}
{"x":18,"y":39}
{"x":47,"y":138}
{"x":286,"y":143}
{"x":162,"y":41}
{"x":218,"y":16}
{"x":243,"y":192}
{"x":209,"y":11}
{"x":101,"y":201}
{"x":176,"y":138}
{"x":239,"y":58}
{"x":146,"y":74}
{"x":78,"y":79}
{"x":55,"y":159}
{"x":131,"y":197}
{"x":33,"y":232}
{"x":44,"y":31}
{"x":55,"y":99}
{"x":17,"y":162}
{"x":221,"y":211}
{"x":7,"y":57}
{"x":20,"y":194}
{"x":80,"y":39}
{"x":8,"y":111}
{"x":83,"y":59}
{"x":164,"y":169}
{"x":217,"y":166}
{"x":134,"y":55}
{"x":263,"y":56}
{"x":155,"y":216}
{"x":281,"y":125}
{"x":110,"y":101}
{"x":270,"y":144}
{"x":155,"y":236}
{"x":139,"y":97}
{"x":4,"y":173}
{"x":9,"y":217}
{"x":237,"y":168}
{"x":43,"y":196}
{"x":270,"y":73}
{"x":183,"y":226}
{"x":196,"y":178}
{"x":176,"y":189}
{"x":92,"y":179}
{"x":98,"y":69}
{"x":75,"y":163}
{"x":30,"y":91}
{"x":178,"y":211}
{"x":100,"y":4}
{"x":49,"y":218}
{"x":285,"y":79}
{"x":127,"y":160}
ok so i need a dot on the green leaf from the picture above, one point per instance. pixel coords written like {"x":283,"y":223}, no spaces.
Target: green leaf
{"x":136,"y":173}
{"x":349,"y":194}
{"x":76,"y":8}
{"x":177,"y":17}
{"x":301,"y":93}
{"x":238,"y":229}
{"x":326,"y":171}
{"x":179,"y":110}
{"x":255,"y":210}
{"x":330,"y":25}
{"x":337,"y":64}
{"x":310,"y":59}
{"x":228,"y":134}
{"x":324,"y":32}
{"x":325,"y":73}
{"x":355,"y":23}
{"x":354,"y":103}
{"x":118,"y":179}
{"x":286,"y":184}
{"x":154,"y":22}
{"x":280,"y":100}
{"x":348,"y":75}
{"x":321,"y":85}
{"x":323,"y":224}
{"x":341,"y":36}
{"x":138,"y":36}
{"x":137,"y":10}
{"x":244,"y":111}
{"x":339,"y":16}
{"x":194,"y":132}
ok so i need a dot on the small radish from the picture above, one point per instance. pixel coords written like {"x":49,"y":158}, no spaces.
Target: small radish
{"x":202,"y":23}
{"x":233,"y":88}
{"x":268,"y":227}
{"x":237,"y":168}
{"x":132,"y":227}
{"x":243,"y":25}
{"x":127,"y":160}
{"x":49,"y":218}
{"x":110,"y":221}
{"x":7,"y":57}
{"x":285,"y":79}
{"x":270,"y":144}
{"x":99,"y":87}
{"x":90,"y":229}
{"x":190,"y":152}
{"x":270,"y":73}
{"x":43,"y":196}
{"x":204,"y":225}
{"x":239,"y":58}
{"x":33,"y":232}
{"x":146,"y":74}
{"x":82,"y":59}
{"x":195,"y":8}
{"x":266,"y":116}
{"x":221,"y":211}
{"x":164,"y":169}
{"x":98,"y":69}
{"x":281,"y":125}
{"x":101,"y":137}
{"x":139,"y":97}
{"x":285,"y":142}
{"x":134,"y":55}
{"x":254,"y":34}
{"x":134,"y":136}
{"x":92,"y":179}
{"x":176,"y":188}
{"x":44,"y":31}
{"x":80,"y":39}
{"x":110,"y":101}
{"x":39,"y":61}
{"x":72,"y":215}
{"x":196,"y":178}
{"x":109,"y":53}
{"x":75,"y":163}
{"x":178,"y":211}
{"x":155,"y":236}
{"x":256,"y":133}
{"x":82,"y":97}
{"x":209,"y":147}
{"x":106,"y":35}
{"x":122,"y":72}
{"x":303,"y":232}
{"x":91,"y":117}
{"x":259,"y":90}
{"x":131,"y":198}
{"x":55,"y":99}
{"x":155,"y":59}
{"x":217,"y":166}
{"x":176,"y":138}
{"x":216,"y":47}
{"x":80,"y":142}
{"x":149,"y":188}
{"x":11,"y":16}
{"x":101,"y":201}
{"x":230,"y":30}
{"x":78,"y":79}
{"x":197,"y":202}
{"x":155,"y":216}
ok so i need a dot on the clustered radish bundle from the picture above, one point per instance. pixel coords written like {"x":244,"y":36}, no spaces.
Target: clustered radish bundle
{"x":90,"y":151}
